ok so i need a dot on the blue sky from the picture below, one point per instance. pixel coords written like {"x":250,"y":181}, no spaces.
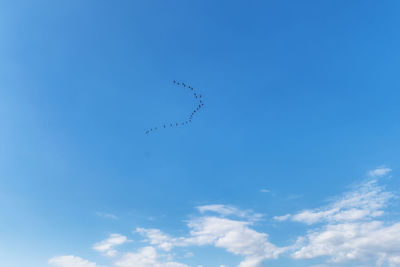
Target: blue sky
{"x":298,"y":140}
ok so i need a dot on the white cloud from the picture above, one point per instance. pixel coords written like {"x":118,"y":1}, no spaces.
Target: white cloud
{"x":107,"y":246}
{"x":265,"y":190}
{"x":234,"y":236}
{"x":145,"y":257}
{"x":364,"y":202}
{"x":71,"y":261}
{"x":379,"y":172}
{"x":159,"y":239}
{"x":351,"y":231}
{"x":361,"y":241}
{"x":226,"y":210}
{"x":282,"y":218}
{"x":347,"y":230}
{"x":107,"y":215}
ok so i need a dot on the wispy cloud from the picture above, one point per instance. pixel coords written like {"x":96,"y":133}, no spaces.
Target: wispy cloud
{"x":227,"y":210}
{"x":366,"y":201}
{"x":146,"y":257}
{"x":349,"y":229}
{"x":362,"y":241}
{"x":379,"y":172}
{"x":157,"y":238}
{"x":71,"y":261}
{"x":282,"y":218}
{"x":107,"y":246}
{"x":107,"y":215}
{"x":235,"y":236}
{"x":265,"y":190}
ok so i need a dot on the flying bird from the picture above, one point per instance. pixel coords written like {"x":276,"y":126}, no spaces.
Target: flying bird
{"x":191,"y":116}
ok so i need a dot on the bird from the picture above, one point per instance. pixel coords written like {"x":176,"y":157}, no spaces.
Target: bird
{"x":189,"y":119}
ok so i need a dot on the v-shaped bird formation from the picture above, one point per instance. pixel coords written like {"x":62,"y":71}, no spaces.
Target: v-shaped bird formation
{"x":199,"y":105}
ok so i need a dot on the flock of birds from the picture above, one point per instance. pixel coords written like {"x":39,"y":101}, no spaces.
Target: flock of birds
{"x":199,"y":105}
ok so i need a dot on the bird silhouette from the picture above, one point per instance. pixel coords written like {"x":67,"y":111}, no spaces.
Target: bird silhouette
{"x":198,"y":106}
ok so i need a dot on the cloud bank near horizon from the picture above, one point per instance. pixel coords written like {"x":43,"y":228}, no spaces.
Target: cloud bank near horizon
{"x":349,"y":229}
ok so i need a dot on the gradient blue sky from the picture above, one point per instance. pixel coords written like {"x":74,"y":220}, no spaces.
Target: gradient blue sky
{"x":302,"y":103}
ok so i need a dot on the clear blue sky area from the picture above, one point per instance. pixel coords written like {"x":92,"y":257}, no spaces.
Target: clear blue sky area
{"x":301,"y":111}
